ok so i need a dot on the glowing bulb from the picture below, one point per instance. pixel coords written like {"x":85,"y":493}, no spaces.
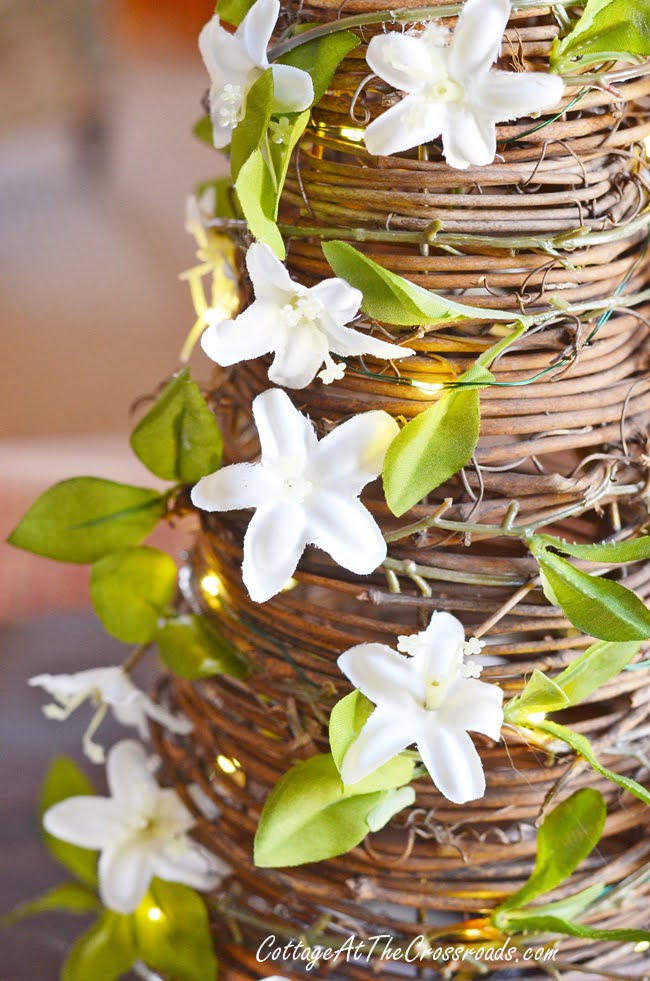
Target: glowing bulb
{"x":646,"y":146}
{"x":211,"y":584}
{"x":642,"y":946}
{"x":228,"y":765}
{"x":155,"y":914}
{"x":291,"y":584}
{"x":537,"y":717}
{"x":472,"y":934}
{"x":354,"y":135}
{"x":428,"y":387}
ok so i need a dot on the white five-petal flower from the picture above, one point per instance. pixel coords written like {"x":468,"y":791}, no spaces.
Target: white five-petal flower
{"x":107,"y":688}
{"x":235,"y":61}
{"x":431,"y":698}
{"x":300,"y":325}
{"x":450,"y":89}
{"x":304,"y":492}
{"x":141,"y":830}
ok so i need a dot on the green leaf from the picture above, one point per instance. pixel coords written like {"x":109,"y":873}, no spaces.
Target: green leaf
{"x":280,"y":153}
{"x":190,"y":648}
{"x":202,"y":129}
{"x":583,"y":748}
{"x":554,"y":924}
{"x":347,"y":719}
{"x":223,"y":196}
{"x":179,"y":438}
{"x":321,"y":57}
{"x":69,"y":897}
{"x":609,"y":30}
{"x":250,"y":133}
{"x":131,"y":590}
{"x":567,"y":908}
{"x":105,"y":952}
{"x":176,"y":939}
{"x":309,"y":817}
{"x":82,"y":519}
{"x":391,"y":803}
{"x":597,"y":606}
{"x":393,"y":299}
{"x":257,"y":193}
{"x":632,"y":550}
{"x":568,"y":834}
{"x":65,"y":779}
{"x":600,"y":662}
{"x":435,"y":445}
{"x":234,"y":11}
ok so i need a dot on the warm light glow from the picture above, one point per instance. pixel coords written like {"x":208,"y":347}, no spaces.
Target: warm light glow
{"x":537,"y":717}
{"x":473,"y":934}
{"x":291,"y":584}
{"x":646,"y":145}
{"x":155,"y":914}
{"x":211,"y":584}
{"x":354,"y":135}
{"x":428,"y":387}
{"x":642,"y":946}
{"x":228,"y":765}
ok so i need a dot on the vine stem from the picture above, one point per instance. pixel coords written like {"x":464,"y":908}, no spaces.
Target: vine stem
{"x":506,"y":607}
{"x":135,"y":657}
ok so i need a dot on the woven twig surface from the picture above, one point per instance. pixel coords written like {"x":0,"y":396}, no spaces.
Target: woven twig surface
{"x":573,"y":436}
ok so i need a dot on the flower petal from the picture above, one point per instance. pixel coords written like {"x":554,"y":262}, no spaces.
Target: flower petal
{"x":340,"y":300}
{"x":347,"y":341}
{"x":293,"y":89}
{"x":90,"y":822}
{"x":223,"y":54}
{"x":135,"y":712}
{"x":413,"y":121}
{"x":274,"y":541}
{"x":298,"y":359}
{"x":452,"y":761}
{"x":382,"y":675}
{"x":404,"y":61}
{"x":385,"y":734}
{"x":468,"y":139}
{"x":184,"y":860}
{"x":269,"y":276}
{"x":476,"y":40}
{"x":475,"y":705}
{"x":441,"y":653}
{"x":346,"y":530}
{"x":241,"y":485}
{"x":353,"y":454}
{"x":124,"y":876}
{"x":253,"y":333}
{"x":130,"y":780}
{"x":284,"y":432}
{"x":504,"y":96}
{"x":256,"y":29}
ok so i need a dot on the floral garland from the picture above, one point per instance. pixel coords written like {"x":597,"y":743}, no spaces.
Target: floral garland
{"x":427,"y":693}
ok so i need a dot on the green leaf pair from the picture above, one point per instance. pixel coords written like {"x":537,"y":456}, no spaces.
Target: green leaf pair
{"x":309,"y":816}
{"x":190,"y":648}
{"x":609,"y":30}
{"x":597,"y":606}
{"x":585,"y":675}
{"x":566,"y":837}
{"x":85,"y":519}
{"x":169,"y":932}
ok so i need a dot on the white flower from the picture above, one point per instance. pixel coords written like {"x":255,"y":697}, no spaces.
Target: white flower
{"x":107,"y":688}
{"x":141,"y":830}
{"x":450,"y":90}
{"x":304,"y":491}
{"x":199,"y":210}
{"x":430,"y":698}
{"x":235,"y":61}
{"x":300,"y":325}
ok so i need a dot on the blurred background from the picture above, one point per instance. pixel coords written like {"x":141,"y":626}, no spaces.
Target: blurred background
{"x":97,"y":101}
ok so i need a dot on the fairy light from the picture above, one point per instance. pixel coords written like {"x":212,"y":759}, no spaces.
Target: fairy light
{"x":211,"y":584}
{"x":228,"y":765}
{"x":291,"y":584}
{"x":535,"y":717}
{"x":354,"y":135}
{"x":646,"y":147}
{"x":427,"y":387}
{"x":642,"y":946}
{"x":154,"y":914}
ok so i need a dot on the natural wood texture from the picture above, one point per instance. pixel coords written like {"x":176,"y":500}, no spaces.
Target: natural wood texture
{"x":572,"y":441}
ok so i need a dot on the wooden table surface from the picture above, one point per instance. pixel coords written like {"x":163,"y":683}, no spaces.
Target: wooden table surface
{"x":34,"y":949}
